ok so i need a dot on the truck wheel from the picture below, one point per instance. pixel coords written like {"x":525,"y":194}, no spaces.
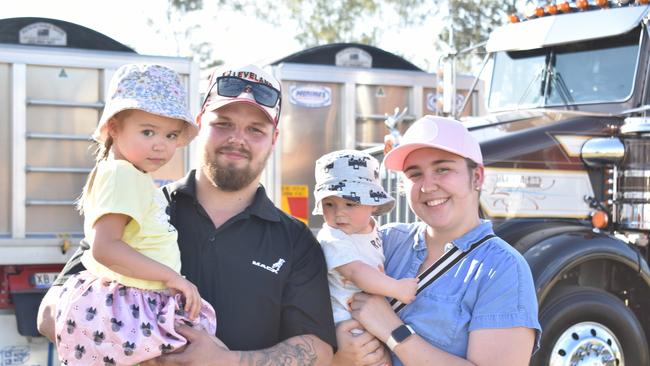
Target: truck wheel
{"x":586,"y":326}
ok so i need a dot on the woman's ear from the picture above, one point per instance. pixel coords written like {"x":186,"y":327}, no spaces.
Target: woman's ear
{"x":478,"y":176}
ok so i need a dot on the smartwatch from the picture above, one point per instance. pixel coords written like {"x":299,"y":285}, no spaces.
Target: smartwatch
{"x":399,"y":335}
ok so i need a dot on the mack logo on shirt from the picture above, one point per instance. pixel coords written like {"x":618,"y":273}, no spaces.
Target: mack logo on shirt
{"x":275,"y":267}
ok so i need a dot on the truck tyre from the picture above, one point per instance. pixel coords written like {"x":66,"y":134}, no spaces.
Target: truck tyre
{"x":588,"y":326}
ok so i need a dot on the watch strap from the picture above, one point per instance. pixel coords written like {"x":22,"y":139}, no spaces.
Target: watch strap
{"x":392,"y":342}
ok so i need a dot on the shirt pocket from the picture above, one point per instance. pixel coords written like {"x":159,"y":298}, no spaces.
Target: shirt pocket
{"x":436,"y":317}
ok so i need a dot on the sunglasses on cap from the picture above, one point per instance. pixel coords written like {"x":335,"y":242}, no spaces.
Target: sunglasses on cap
{"x":232,"y":86}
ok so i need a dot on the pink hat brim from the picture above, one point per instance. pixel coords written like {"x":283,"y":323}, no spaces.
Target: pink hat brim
{"x":395,"y":158}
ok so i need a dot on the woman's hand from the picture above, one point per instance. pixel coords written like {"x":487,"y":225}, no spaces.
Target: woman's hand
{"x":190,"y":293}
{"x":375,"y":315}
{"x":358,"y":349}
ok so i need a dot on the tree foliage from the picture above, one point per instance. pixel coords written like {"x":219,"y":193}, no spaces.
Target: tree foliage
{"x":182,"y":32}
{"x":363,"y":21}
{"x":328,"y":21}
{"x":471,"y":22}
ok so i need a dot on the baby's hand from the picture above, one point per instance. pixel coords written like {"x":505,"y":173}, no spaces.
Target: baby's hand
{"x":190,"y":292}
{"x":406,"y":290}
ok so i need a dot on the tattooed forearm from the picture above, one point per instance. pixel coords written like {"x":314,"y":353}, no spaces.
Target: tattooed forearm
{"x":297,"y":351}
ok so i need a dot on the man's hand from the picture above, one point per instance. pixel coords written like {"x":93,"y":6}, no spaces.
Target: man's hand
{"x":47,"y":312}
{"x":358,"y":350}
{"x":202,"y":349}
{"x":206,"y":350}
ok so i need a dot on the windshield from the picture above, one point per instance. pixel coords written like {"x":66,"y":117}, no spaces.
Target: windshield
{"x":589,"y":72}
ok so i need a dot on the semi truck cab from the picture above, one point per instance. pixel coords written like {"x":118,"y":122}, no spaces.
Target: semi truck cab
{"x":566,"y":145}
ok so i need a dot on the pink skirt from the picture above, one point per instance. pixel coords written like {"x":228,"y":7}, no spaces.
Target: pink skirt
{"x":100,"y":322}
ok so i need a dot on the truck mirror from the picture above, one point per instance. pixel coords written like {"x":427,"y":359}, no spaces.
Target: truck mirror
{"x":597,"y":152}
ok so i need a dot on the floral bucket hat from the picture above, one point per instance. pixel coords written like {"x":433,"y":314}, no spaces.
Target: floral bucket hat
{"x":151,"y":88}
{"x":353,"y":175}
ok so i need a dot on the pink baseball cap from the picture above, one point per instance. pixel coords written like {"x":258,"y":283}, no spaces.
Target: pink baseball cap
{"x":249,"y":84}
{"x":437,"y":132}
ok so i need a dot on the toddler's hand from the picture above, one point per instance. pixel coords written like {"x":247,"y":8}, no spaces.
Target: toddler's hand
{"x":190,"y":293}
{"x":407,"y":289}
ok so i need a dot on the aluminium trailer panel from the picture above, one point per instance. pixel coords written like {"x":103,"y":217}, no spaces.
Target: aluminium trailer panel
{"x":50,"y":101}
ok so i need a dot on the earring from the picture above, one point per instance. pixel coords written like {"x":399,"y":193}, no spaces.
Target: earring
{"x":477,"y":188}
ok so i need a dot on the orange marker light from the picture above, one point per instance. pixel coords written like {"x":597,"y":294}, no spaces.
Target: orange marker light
{"x":582,"y":4}
{"x":565,"y":7}
{"x":642,"y":2}
{"x":599,"y":219}
{"x":539,"y":12}
{"x":602,"y":3}
{"x":552,"y":9}
{"x":512,"y":18}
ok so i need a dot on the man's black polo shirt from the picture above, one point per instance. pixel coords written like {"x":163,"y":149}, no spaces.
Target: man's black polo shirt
{"x":263,"y":271}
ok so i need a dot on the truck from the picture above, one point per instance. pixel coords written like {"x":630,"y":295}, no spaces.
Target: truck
{"x":566,"y":145}
{"x":565,"y":136}
{"x":53,"y":79}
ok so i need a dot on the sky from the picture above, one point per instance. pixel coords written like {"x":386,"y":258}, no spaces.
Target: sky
{"x":236,"y":38}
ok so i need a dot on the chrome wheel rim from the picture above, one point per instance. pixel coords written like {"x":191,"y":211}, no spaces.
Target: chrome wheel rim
{"x":587,"y":344}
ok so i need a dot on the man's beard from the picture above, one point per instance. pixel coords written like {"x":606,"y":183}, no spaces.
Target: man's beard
{"x":229,"y":178}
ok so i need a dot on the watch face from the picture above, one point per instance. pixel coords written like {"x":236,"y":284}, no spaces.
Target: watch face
{"x":401,"y":333}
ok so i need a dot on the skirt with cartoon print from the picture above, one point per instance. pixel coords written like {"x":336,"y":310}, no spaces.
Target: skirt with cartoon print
{"x":101,"y":322}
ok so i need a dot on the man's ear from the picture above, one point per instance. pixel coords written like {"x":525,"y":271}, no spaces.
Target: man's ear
{"x":276,"y":133}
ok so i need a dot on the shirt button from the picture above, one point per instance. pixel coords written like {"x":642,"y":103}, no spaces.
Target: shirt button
{"x":212,"y":239}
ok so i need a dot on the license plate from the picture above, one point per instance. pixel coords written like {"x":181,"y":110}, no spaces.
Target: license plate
{"x":43,"y":279}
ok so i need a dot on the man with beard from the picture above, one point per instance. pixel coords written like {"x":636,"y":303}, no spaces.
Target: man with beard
{"x":262,"y":270}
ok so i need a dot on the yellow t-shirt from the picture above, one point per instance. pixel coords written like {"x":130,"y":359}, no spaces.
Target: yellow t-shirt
{"x":121,"y":188}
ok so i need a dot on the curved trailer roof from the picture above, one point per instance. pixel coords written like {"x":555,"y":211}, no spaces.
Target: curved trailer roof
{"x":56,"y":33}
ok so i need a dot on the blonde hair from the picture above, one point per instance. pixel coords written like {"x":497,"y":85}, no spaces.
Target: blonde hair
{"x":101,"y":153}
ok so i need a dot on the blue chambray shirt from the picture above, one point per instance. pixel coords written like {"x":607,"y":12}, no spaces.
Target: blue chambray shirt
{"x":492,"y":287}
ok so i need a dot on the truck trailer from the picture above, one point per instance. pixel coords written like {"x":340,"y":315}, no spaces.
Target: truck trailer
{"x":53,"y":79}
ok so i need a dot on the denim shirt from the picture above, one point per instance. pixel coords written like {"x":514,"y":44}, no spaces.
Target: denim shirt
{"x":492,"y":287}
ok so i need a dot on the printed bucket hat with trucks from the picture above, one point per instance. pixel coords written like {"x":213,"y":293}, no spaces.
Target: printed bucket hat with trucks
{"x":353,"y":175}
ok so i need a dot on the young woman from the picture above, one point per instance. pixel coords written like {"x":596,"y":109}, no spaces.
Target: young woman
{"x":483,"y":310}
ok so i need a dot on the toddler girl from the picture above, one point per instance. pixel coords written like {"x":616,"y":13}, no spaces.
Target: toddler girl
{"x":122,"y":309}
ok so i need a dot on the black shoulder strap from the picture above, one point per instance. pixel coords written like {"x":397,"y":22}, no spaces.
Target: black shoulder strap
{"x":440,"y":267}
{"x":171,"y":205}
{"x":166,"y":193}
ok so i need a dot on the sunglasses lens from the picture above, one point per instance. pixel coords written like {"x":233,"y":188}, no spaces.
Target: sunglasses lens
{"x":231,"y":87}
{"x":265,"y":95}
